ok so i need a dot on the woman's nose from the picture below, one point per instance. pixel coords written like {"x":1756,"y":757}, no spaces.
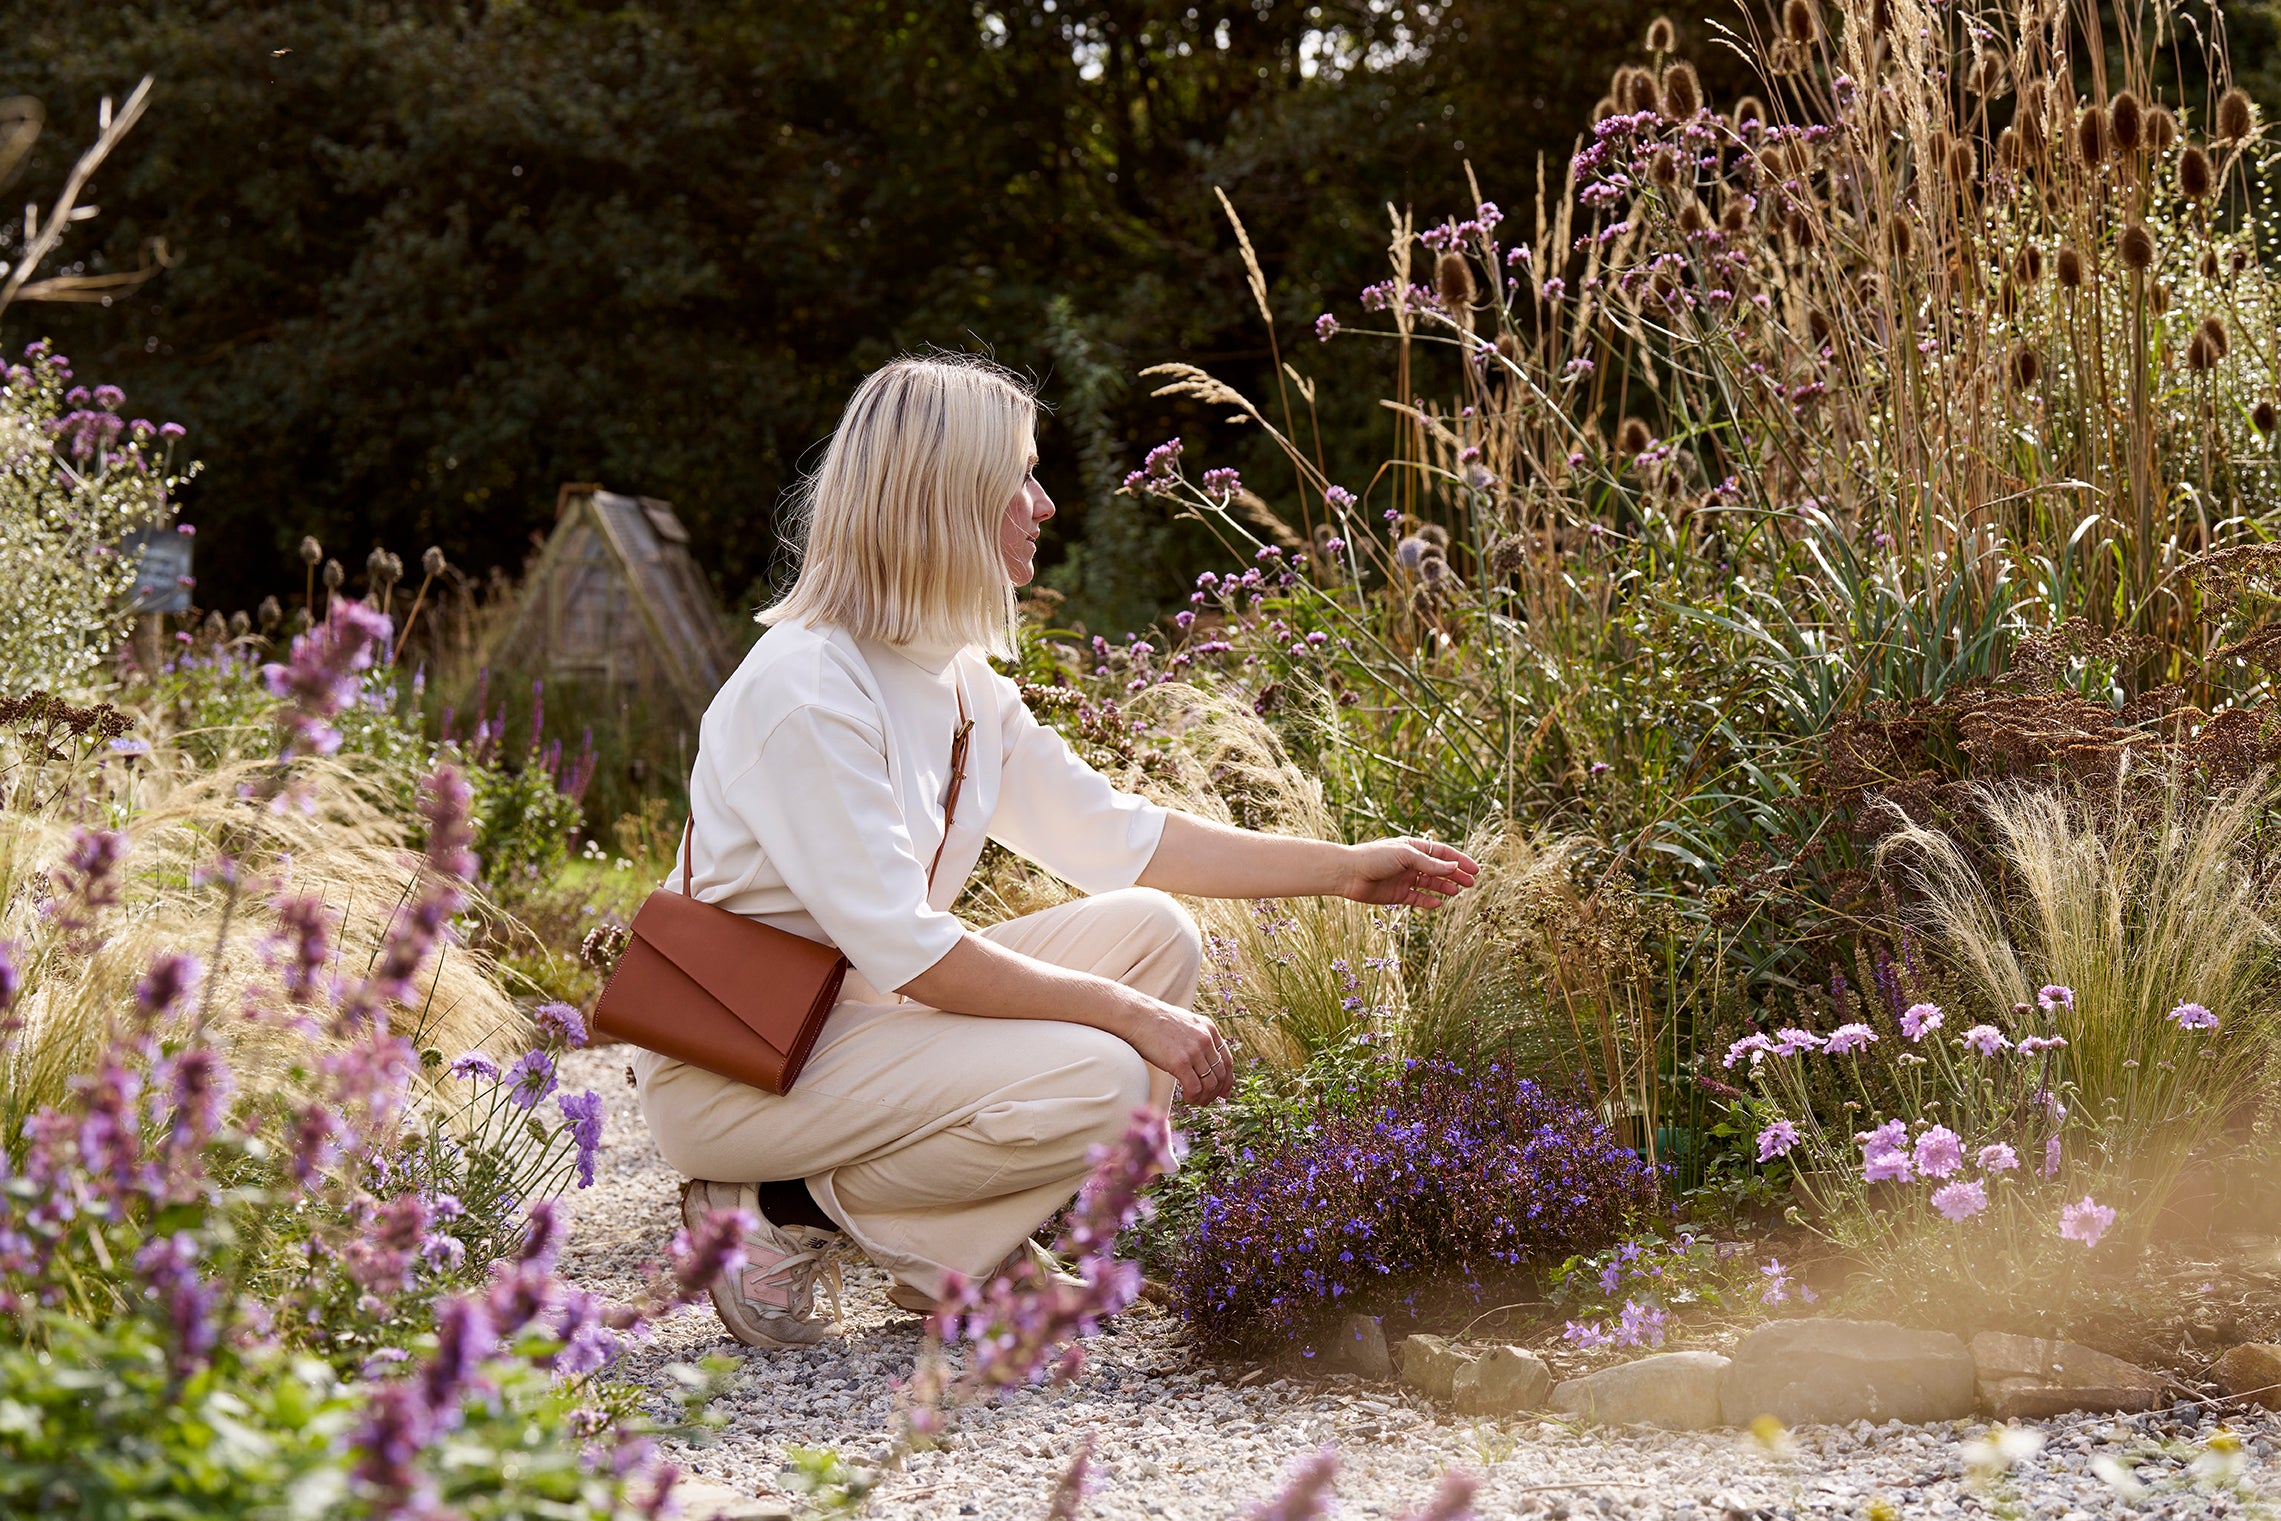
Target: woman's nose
{"x":1041,"y":506}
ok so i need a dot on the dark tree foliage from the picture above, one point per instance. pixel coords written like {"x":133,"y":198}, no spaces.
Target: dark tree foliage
{"x":433,"y":260}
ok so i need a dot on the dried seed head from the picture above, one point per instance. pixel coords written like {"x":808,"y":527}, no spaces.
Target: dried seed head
{"x":1801,"y":230}
{"x":2136,"y":246}
{"x":2194,"y":177}
{"x":1801,"y":22}
{"x":2008,"y":148}
{"x":1880,"y":17}
{"x":1662,"y":36}
{"x":1750,"y":116}
{"x":2214,"y":334}
{"x":432,"y":563}
{"x":1640,"y":94}
{"x":1633,"y":438}
{"x":269,"y":614}
{"x":2199,"y":355}
{"x":2265,"y":417}
{"x":1663,"y":168}
{"x":2029,"y":265}
{"x":333,"y":575}
{"x":1603,"y":108}
{"x":1509,"y":555}
{"x":2234,"y":120}
{"x":2069,"y":267}
{"x":2007,"y":297}
{"x":1693,"y":218}
{"x":2158,"y":299}
{"x":1453,"y":281}
{"x":2237,"y":259}
{"x":2209,"y":264}
{"x":2161,"y":128}
{"x":1988,"y":77}
{"x":214,"y":628}
{"x":2127,"y":120}
{"x":240,"y":624}
{"x":311,"y":551}
{"x":1436,"y":538}
{"x":376,"y":566}
{"x":1664,"y":288}
{"x":1963,"y":165}
{"x":2091,"y":136}
{"x":1902,"y":238}
{"x":1936,"y":148}
{"x":2026,"y":367}
{"x":1682,"y":91}
{"x":1734,"y":216}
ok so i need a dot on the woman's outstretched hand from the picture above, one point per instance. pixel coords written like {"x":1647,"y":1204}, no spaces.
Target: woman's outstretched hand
{"x":1406,"y":872}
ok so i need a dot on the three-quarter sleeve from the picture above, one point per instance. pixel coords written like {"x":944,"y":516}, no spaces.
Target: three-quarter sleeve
{"x":818,"y":798}
{"x":1061,"y":813}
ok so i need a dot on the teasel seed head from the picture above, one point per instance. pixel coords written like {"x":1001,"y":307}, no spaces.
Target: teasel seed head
{"x":2161,"y":128}
{"x":2069,"y":268}
{"x":1603,"y":108}
{"x":2265,"y":417}
{"x":333,"y":575}
{"x":1693,"y":218}
{"x":2091,"y":136}
{"x":1963,"y":165}
{"x":2194,"y":177}
{"x":240,"y":624}
{"x":2029,"y":265}
{"x":1988,"y":77}
{"x":1620,"y":83}
{"x":1936,"y":150}
{"x":1633,"y":438}
{"x":1682,"y":91}
{"x":2127,"y":119}
{"x":1750,"y":116}
{"x":1801,"y":230}
{"x":376,"y":567}
{"x":1801,"y":22}
{"x":2214,"y":333}
{"x":2209,"y":265}
{"x":2136,"y":246}
{"x":2026,"y":367}
{"x":2008,"y":148}
{"x":1662,"y":36}
{"x":2234,"y":120}
{"x":2007,"y":297}
{"x":2237,"y":259}
{"x":1640,"y":93}
{"x":1734,"y":216}
{"x":1663,"y":168}
{"x":2158,"y":299}
{"x":311,"y":550}
{"x":2199,"y":355}
{"x":1903,"y":238}
{"x":1453,"y":281}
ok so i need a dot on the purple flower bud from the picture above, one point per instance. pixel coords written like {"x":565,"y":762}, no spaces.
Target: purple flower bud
{"x":171,"y":975}
{"x":584,"y":1112}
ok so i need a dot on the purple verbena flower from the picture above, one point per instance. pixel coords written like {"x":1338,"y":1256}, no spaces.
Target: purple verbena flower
{"x":171,"y":975}
{"x":1326,"y":326}
{"x":1222,"y":484}
{"x":2055,"y":997}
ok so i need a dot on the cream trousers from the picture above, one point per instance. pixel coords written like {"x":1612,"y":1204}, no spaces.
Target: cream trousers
{"x":938,"y":1141}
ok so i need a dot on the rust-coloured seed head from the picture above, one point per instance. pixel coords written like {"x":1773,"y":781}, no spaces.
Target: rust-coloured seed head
{"x":2029,"y":265}
{"x":1453,"y":281}
{"x":311,"y":550}
{"x":1801,"y":23}
{"x":2161,"y":128}
{"x":2126,"y":119}
{"x":2136,"y":246}
{"x":1693,"y":218}
{"x":1640,"y":93}
{"x":1750,"y":116}
{"x":1663,"y":168}
{"x":2194,"y":176}
{"x":2199,"y":355}
{"x":1662,"y":36}
{"x":2026,"y":367}
{"x":2091,"y":136}
{"x":2214,"y":333}
{"x":2265,"y":417}
{"x":2234,"y":119}
{"x":1633,"y":438}
{"x":2069,"y":268}
{"x":1682,"y":91}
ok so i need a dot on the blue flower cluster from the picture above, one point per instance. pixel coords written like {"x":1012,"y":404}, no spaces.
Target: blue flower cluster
{"x":1447,"y":1179}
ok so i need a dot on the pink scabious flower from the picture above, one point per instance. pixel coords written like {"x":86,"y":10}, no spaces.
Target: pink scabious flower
{"x":1848,"y":1038}
{"x":1885,"y":1167}
{"x":1919,"y":1019}
{"x":1960,"y":1200}
{"x":1985,"y":1039}
{"x":1753,"y":1046}
{"x":2086,"y":1221}
{"x":2192,"y":1016}
{"x":2054,"y":997}
{"x":2036,"y":1045}
{"x":1893,"y":1135}
{"x":1940,"y":1151}
{"x":1776,"y":1140}
{"x":1789,"y":1042}
{"x":1996,"y":1158}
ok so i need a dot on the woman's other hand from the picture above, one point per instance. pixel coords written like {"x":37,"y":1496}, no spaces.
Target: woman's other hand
{"x":1411,"y":873}
{"x":1184,"y":1043}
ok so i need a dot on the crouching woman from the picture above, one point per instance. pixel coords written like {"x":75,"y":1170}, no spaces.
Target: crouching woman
{"x":949,"y":1104}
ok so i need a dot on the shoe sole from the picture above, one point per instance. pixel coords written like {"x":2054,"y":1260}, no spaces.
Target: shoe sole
{"x":735,"y":1319}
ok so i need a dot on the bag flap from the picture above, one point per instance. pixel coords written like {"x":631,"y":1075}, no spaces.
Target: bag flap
{"x":769,"y":978}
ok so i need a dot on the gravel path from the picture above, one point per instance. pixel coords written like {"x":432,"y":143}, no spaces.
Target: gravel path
{"x":1180,"y":1438}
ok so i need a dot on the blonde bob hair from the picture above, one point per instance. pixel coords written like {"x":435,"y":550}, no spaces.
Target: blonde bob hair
{"x":897,"y":529}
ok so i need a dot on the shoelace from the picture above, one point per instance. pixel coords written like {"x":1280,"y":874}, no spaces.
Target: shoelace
{"x":785,"y":1268}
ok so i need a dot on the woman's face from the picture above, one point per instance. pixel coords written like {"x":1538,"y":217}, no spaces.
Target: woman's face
{"x":1018,"y":531}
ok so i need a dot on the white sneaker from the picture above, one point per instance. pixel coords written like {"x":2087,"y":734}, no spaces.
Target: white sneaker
{"x":771,"y":1301}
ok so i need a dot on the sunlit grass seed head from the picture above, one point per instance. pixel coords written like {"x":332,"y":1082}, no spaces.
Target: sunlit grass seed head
{"x":2194,"y":178}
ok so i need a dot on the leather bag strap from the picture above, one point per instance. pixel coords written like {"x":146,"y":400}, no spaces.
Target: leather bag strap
{"x":958,"y":741}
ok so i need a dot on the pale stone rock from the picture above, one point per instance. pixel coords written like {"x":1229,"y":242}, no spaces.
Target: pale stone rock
{"x":1805,"y":1372}
{"x":2251,"y":1371}
{"x":1501,"y":1381}
{"x":1357,"y":1346}
{"x":2028,"y":1378}
{"x":1430,"y":1363}
{"x":1676,"y":1390}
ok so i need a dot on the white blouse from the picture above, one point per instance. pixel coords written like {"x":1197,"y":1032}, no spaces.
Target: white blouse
{"x":817,"y":796}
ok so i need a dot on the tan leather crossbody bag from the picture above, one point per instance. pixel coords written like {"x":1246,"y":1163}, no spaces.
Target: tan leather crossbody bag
{"x":717,"y":990}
